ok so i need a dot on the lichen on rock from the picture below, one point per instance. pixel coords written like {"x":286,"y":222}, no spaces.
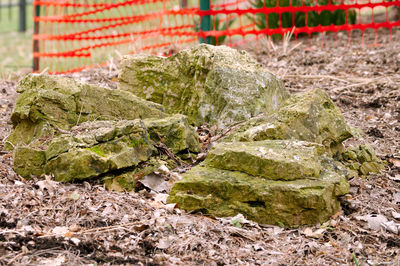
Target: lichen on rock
{"x":175,"y":132}
{"x":281,"y":162}
{"x":50,"y":104}
{"x":78,"y":131}
{"x":210,"y":84}
{"x":309,"y":116}
{"x":361,"y":159}
{"x":270,"y":159}
{"x":291,"y":203}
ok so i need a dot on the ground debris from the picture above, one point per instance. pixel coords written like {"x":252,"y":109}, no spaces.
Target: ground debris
{"x":105,"y":227}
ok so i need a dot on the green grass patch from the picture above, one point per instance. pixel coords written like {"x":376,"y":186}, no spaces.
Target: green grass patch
{"x":9,"y":18}
{"x":15,"y":52}
{"x":15,"y":47}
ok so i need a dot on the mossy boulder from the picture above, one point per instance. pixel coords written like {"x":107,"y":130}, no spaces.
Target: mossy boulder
{"x":210,"y":84}
{"x":290,"y":203}
{"x":78,"y":131}
{"x":308,"y":116}
{"x":50,"y":104}
{"x":97,"y":148}
{"x":277,"y":168}
{"x":269,"y":159}
{"x":362,"y":160}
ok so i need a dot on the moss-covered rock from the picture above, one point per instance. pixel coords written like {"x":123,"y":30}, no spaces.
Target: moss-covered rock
{"x":309,"y":116}
{"x":89,"y":150}
{"x":209,"y":84}
{"x":175,"y":132}
{"x":291,"y":203}
{"x":29,"y":161}
{"x":50,"y":104}
{"x":270,"y":159}
{"x":127,"y":180}
{"x":362,"y":159}
{"x":100,"y":148}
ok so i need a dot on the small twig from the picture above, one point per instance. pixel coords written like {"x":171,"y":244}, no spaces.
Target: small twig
{"x":61,"y":130}
{"x":98,"y":229}
{"x":315,"y":77}
{"x":356,"y":85}
{"x":164,"y":149}
{"x":230,"y":129}
{"x":15,"y":258}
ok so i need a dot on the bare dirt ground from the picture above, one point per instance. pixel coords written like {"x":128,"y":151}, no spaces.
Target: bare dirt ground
{"x":48,"y":223}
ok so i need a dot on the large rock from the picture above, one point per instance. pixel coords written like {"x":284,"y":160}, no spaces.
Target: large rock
{"x":78,"y":131}
{"x":309,"y":116}
{"x":290,"y":203}
{"x":277,"y":168}
{"x":48,"y":104}
{"x":270,"y":159}
{"x":210,"y":84}
{"x":101,"y":147}
{"x":89,"y":150}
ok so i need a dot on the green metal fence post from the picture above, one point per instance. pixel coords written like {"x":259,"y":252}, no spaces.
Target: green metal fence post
{"x":205,"y":24}
{"x":35,"y":32}
{"x":22,"y":16}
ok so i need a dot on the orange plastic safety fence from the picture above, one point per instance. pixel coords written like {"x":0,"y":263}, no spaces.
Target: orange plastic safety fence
{"x":71,"y":35}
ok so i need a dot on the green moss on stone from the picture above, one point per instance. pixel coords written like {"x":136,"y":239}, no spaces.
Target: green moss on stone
{"x":29,"y":162}
{"x":209,"y":84}
{"x":309,"y":116}
{"x":361,"y":158}
{"x":227,"y":193}
{"x":271,"y":159}
{"x":97,"y":150}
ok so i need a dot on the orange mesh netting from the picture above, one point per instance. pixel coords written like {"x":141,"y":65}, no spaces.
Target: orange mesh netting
{"x":71,"y":35}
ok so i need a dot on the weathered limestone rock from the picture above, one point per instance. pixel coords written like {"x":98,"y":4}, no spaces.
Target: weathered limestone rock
{"x":209,"y":84}
{"x":175,"y":132}
{"x":362,"y":160}
{"x":96,"y":148}
{"x":74,"y":131}
{"x":309,"y":116}
{"x":270,"y":159}
{"x":289,"y":203}
{"x":276,"y":168}
{"x":48,"y":104}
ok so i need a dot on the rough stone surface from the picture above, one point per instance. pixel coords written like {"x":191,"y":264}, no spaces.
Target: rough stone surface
{"x":362,"y":160}
{"x":289,"y":203}
{"x":277,"y":168}
{"x":175,"y":132}
{"x":48,"y":104}
{"x":100,"y":147}
{"x":283,"y":164}
{"x":270,"y":159}
{"x":309,"y":116}
{"x":215,"y":85}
